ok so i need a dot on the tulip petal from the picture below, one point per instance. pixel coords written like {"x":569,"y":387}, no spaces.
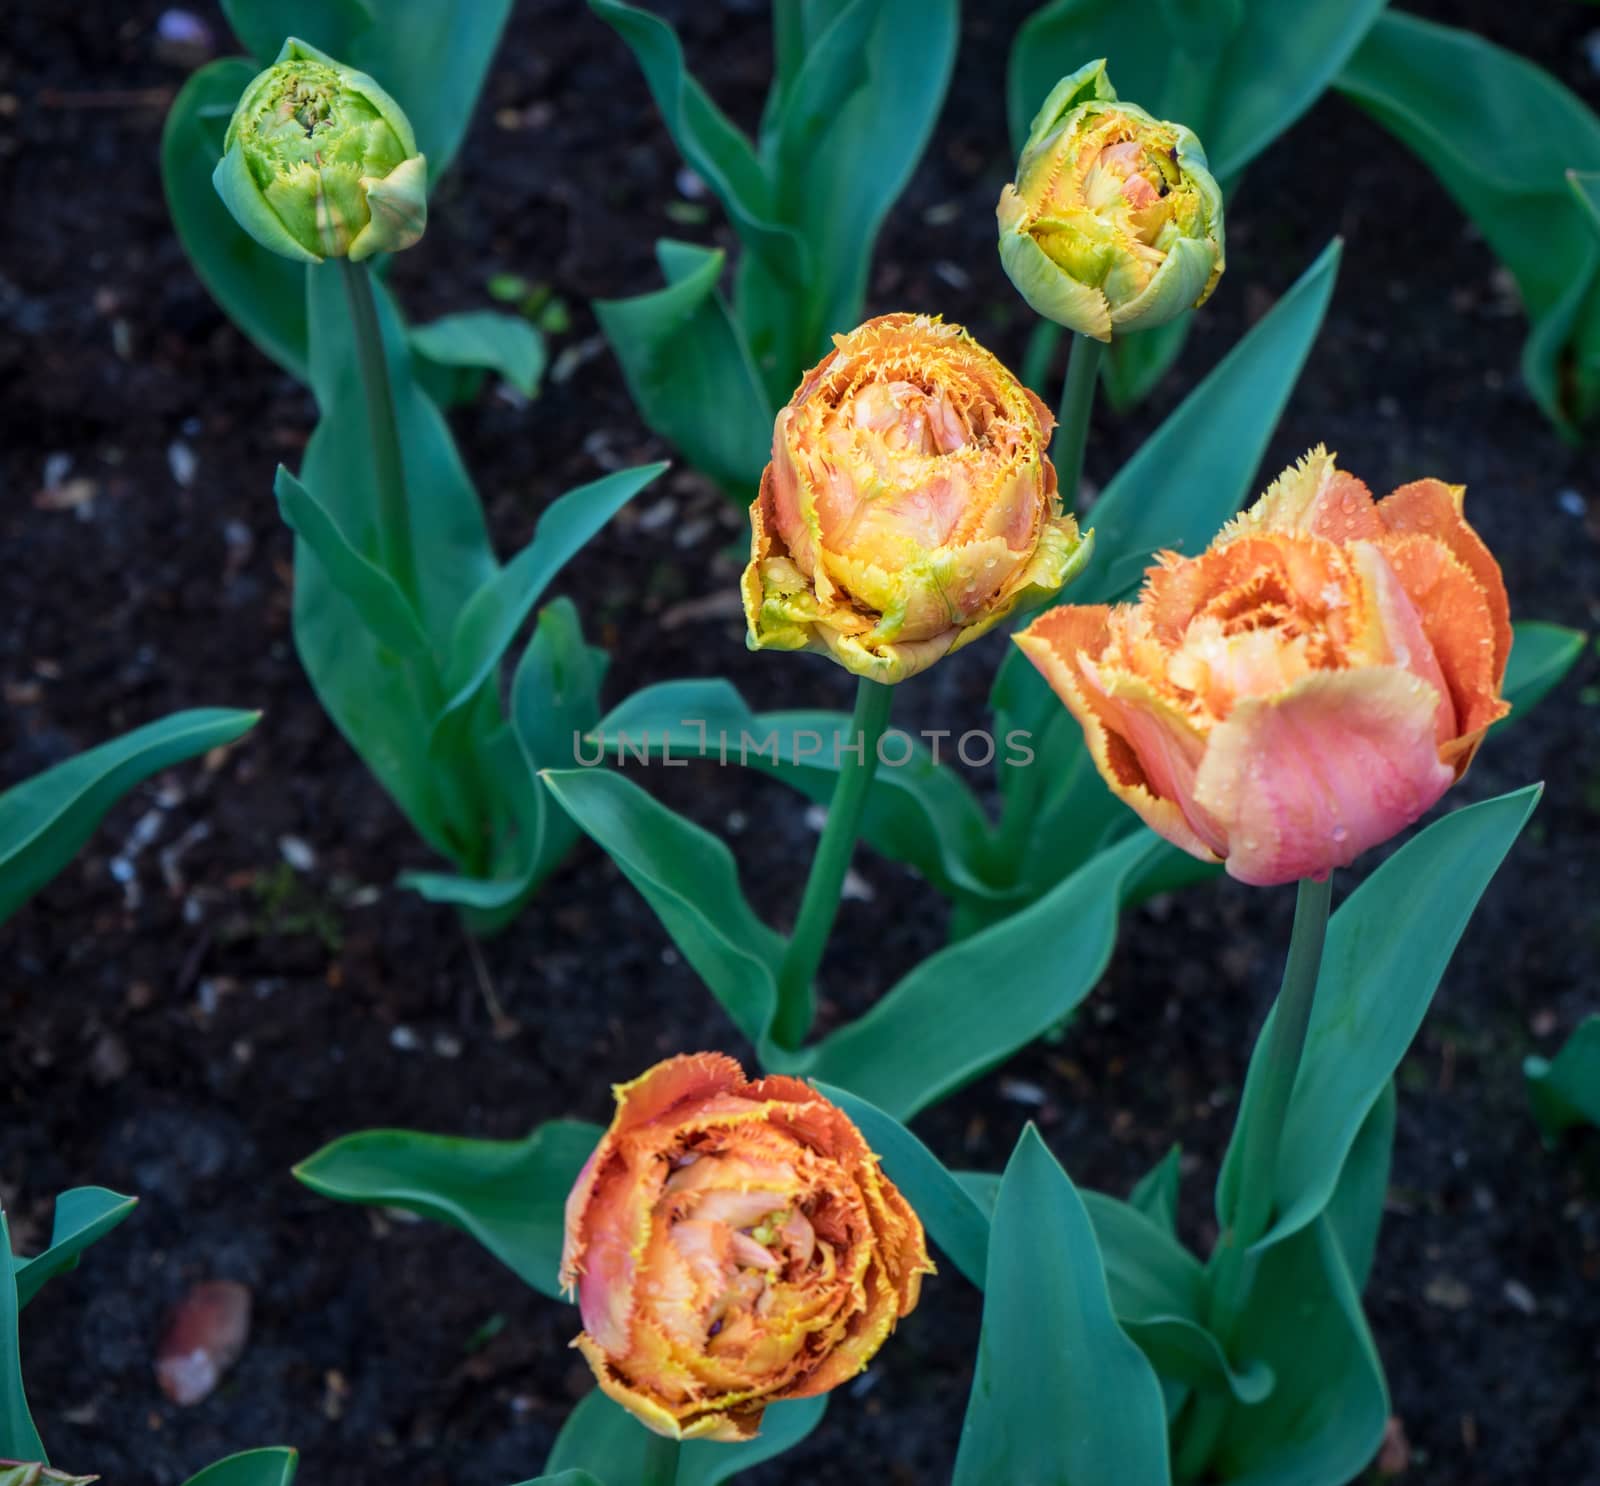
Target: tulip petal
{"x":1313,"y":496}
{"x":1049,"y":291}
{"x":1054,"y":642}
{"x":1456,"y":615}
{"x":1434,"y":509}
{"x":1309,"y":779}
{"x":1395,"y":634}
{"x":687,"y":1076}
{"x":1179,"y":284}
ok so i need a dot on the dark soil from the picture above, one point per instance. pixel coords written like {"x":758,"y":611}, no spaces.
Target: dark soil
{"x":188,"y":1034}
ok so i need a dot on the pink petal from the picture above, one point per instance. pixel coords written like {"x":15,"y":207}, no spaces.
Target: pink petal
{"x":1307,"y":780}
{"x":205,"y":1337}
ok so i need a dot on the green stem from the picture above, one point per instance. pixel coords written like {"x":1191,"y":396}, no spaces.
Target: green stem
{"x":394,"y":514}
{"x":820,"y":904}
{"x":1232,"y":1269}
{"x":1072,"y":422}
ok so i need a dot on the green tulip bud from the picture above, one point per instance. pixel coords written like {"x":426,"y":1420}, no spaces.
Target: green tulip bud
{"x":1114,"y":222}
{"x":321,"y":163}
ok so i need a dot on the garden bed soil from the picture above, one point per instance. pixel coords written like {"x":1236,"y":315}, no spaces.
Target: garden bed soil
{"x":257,"y":986}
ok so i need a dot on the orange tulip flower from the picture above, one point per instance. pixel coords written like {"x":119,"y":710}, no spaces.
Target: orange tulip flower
{"x":909,"y":506}
{"x":1303,"y":689}
{"x":733,"y":1244}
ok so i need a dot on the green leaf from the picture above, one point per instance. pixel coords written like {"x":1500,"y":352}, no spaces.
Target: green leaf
{"x":1386,"y":951}
{"x":1586,"y":187}
{"x":19,"y":1440}
{"x":263,"y":294}
{"x":953,"y":1219}
{"x":783,"y":1426}
{"x":1463,"y":105}
{"x":1239,"y":81}
{"x":843,"y":162}
{"x":490,"y":619}
{"x":46,"y":819}
{"x":384,"y":610}
{"x":83,"y":1215}
{"x":274,"y":1467}
{"x":712,"y":146}
{"x":930,"y":1034}
{"x":332,"y":25}
{"x":689,"y":370}
{"x":689,"y":878}
{"x":508,"y":1194}
{"x":1541,"y":655}
{"x":1156,"y":1192}
{"x":1188,"y":477}
{"x":1060,"y":1396}
{"x":1565,"y":1090}
{"x":1355,"y":1211}
{"x":1134,"y":364}
{"x":918,"y":812}
{"x":1324,"y":1419}
{"x":566,"y":1478}
{"x":604,"y":1435}
{"x":485,"y":340}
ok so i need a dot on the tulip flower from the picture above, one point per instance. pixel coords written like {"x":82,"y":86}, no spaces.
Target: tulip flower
{"x":1303,"y":689}
{"x":733,"y":1244}
{"x":909,"y":506}
{"x":319,"y":162}
{"x":1114,"y":223}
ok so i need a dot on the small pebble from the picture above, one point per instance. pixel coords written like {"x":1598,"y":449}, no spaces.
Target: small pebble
{"x":205,"y":1337}
{"x":297,"y":853}
{"x":1572,"y":503}
{"x":404,"y":1040}
{"x":1520,"y":1297}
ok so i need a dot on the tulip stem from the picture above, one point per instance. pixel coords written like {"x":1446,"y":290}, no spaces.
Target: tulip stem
{"x":1072,"y":422}
{"x":1232,"y":1268}
{"x":394,"y":514}
{"x":820,"y":904}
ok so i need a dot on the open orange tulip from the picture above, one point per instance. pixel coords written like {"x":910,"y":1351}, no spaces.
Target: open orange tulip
{"x":1303,"y":689}
{"x":909,"y":506}
{"x":733,"y":1244}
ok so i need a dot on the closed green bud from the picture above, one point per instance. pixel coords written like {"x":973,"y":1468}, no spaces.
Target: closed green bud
{"x":1114,"y":223}
{"x":321,"y":163}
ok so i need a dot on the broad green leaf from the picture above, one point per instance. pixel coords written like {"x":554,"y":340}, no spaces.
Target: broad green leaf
{"x":262,"y":26}
{"x":1060,"y":1395}
{"x":83,"y":1215}
{"x":274,"y":1467}
{"x":1541,"y":654}
{"x":508,"y":1194}
{"x":689,"y":878}
{"x":844,"y":167}
{"x":1189,"y":476}
{"x":1324,"y":1419}
{"x":1586,"y":187}
{"x":602,"y":1435}
{"x":689,"y":370}
{"x":19,"y":1440}
{"x":711,"y":145}
{"x":1355,"y":1211}
{"x":484,"y":340}
{"x":566,"y":1478}
{"x":490,"y":619}
{"x":954,"y":1221}
{"x":1387,"y":949}
{"x":1463,"y":104}
{"x":931,"y":1033}
{"x":263,"y":294}
{"x":46,"y":819}
{"x":783,"y":1426}
{"x":555,"y":698}
{"x":431,"y":56}
{"x":917,"y":812}
{"x":1239,"y":80}
{"x":385,"y":611}
{"x":1186,"y":1352}
{"x":1155,"y":1194}
{"x":384,"y":706}
{"x":1565,"y":1090}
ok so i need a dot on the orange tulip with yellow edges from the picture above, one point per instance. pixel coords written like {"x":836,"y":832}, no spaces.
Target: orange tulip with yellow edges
{"x":1303,"y":689}
{"x":733,"y":1244}
{"x":910,"y":505}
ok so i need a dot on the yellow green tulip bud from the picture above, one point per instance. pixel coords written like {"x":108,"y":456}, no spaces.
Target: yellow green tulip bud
{"x":321,"y":163}
{"x":1114,"y":223}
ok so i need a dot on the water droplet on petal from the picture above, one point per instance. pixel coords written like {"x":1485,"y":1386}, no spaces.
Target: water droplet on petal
{"x":1340,"y":835}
